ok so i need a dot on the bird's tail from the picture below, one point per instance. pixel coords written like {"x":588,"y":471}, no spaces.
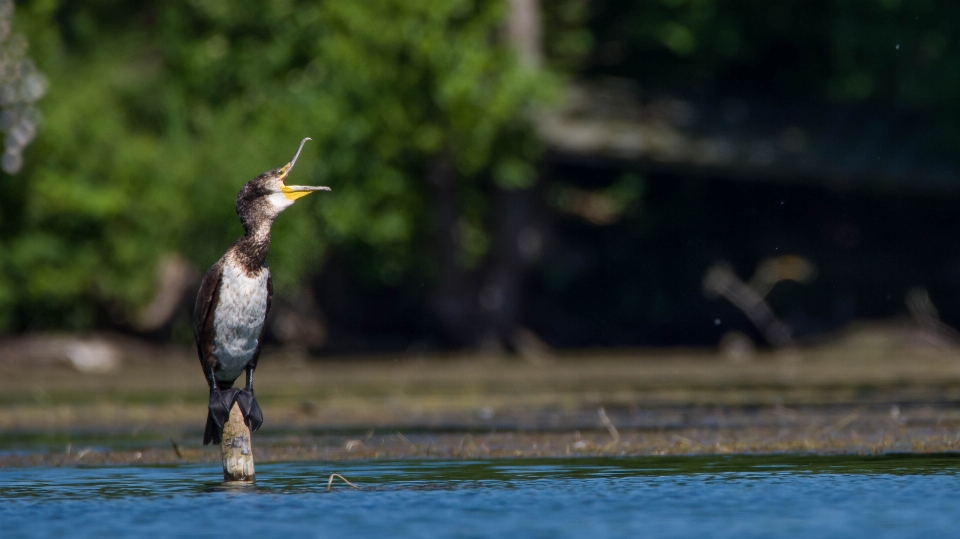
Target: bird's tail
{"x":211,"y":434}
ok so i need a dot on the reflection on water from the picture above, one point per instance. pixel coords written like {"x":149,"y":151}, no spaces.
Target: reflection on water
{"x":744,"y":496}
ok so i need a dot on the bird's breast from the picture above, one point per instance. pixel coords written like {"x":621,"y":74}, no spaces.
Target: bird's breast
{"x":238,"y":319}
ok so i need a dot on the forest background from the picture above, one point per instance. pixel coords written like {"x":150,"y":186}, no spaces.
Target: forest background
{"x":459,"y":217}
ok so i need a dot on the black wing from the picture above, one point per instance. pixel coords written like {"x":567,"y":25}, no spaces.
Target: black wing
{"x":207,"y":299}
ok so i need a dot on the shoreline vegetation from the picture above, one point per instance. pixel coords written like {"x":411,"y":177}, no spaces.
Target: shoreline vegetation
{"x":590,"y":403}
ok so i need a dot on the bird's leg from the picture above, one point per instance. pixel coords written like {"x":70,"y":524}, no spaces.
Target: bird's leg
{"x":248,"y":404}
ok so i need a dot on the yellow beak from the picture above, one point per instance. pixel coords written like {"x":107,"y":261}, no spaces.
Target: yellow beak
{"x":293,"y":192}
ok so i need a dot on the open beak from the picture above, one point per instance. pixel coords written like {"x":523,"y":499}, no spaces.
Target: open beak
{"x":293,"y":192}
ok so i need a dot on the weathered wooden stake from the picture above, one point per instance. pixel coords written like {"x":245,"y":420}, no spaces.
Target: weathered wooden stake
{"x":236,"y":448}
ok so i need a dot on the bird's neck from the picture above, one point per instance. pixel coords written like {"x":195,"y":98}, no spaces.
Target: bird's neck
{"x":251,"y":249}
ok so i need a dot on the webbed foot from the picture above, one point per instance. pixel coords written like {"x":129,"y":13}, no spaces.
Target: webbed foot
{"x":220,"y":403}
{"x":250,"y":409}
{"x":218,"y":413}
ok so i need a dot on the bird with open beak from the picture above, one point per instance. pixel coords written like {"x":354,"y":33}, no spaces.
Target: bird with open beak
{"x":234,"y":299}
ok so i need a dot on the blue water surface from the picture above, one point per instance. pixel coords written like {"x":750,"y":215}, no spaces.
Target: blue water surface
{"x":742,"y":497}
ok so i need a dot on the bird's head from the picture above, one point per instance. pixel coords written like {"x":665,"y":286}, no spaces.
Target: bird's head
{"x":263,"y":198}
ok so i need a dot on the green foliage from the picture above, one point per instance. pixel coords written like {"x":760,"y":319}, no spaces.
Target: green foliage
{"x":567,"y":40}
{"x":894,"y":52}
{"x":157,"y":115}
{"x":158,"y":112}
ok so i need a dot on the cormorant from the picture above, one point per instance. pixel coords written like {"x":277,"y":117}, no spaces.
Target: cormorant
{"x":234,"y":300}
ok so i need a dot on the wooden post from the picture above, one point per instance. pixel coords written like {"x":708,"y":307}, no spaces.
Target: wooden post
{"x":236,"y":448}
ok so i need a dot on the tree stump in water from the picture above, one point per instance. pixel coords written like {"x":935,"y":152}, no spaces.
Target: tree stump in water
{"x":236,"y":448}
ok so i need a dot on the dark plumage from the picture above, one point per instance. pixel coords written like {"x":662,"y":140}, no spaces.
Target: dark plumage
{"x":234,"y":300}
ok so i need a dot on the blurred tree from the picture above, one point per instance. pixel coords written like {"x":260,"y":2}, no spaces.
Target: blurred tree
{"x":158,"y":112}
{"x":892,"y":60}
{"x":421,"y":113}
{"x":885,"y":52}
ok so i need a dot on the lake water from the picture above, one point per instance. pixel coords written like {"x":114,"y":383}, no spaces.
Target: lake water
{"x":741,"y":497}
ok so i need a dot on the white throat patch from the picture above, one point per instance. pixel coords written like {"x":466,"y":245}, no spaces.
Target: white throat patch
{"x":279,"y":201}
